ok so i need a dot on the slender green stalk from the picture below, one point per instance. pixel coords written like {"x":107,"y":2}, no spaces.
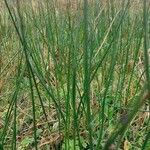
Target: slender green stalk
{"x":146,"y":64}
{"x":87,"y":74}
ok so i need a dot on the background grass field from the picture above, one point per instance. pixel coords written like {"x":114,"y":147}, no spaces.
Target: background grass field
{"x":74,"y":75}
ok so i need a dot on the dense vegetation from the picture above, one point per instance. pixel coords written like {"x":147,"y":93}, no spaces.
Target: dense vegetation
{"x":75,"y":75}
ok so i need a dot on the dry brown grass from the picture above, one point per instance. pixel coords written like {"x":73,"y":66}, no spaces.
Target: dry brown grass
{"x":135,"y":5}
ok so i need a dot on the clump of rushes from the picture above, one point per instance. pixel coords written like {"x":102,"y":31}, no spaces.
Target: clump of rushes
{"x":70,"y":75}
